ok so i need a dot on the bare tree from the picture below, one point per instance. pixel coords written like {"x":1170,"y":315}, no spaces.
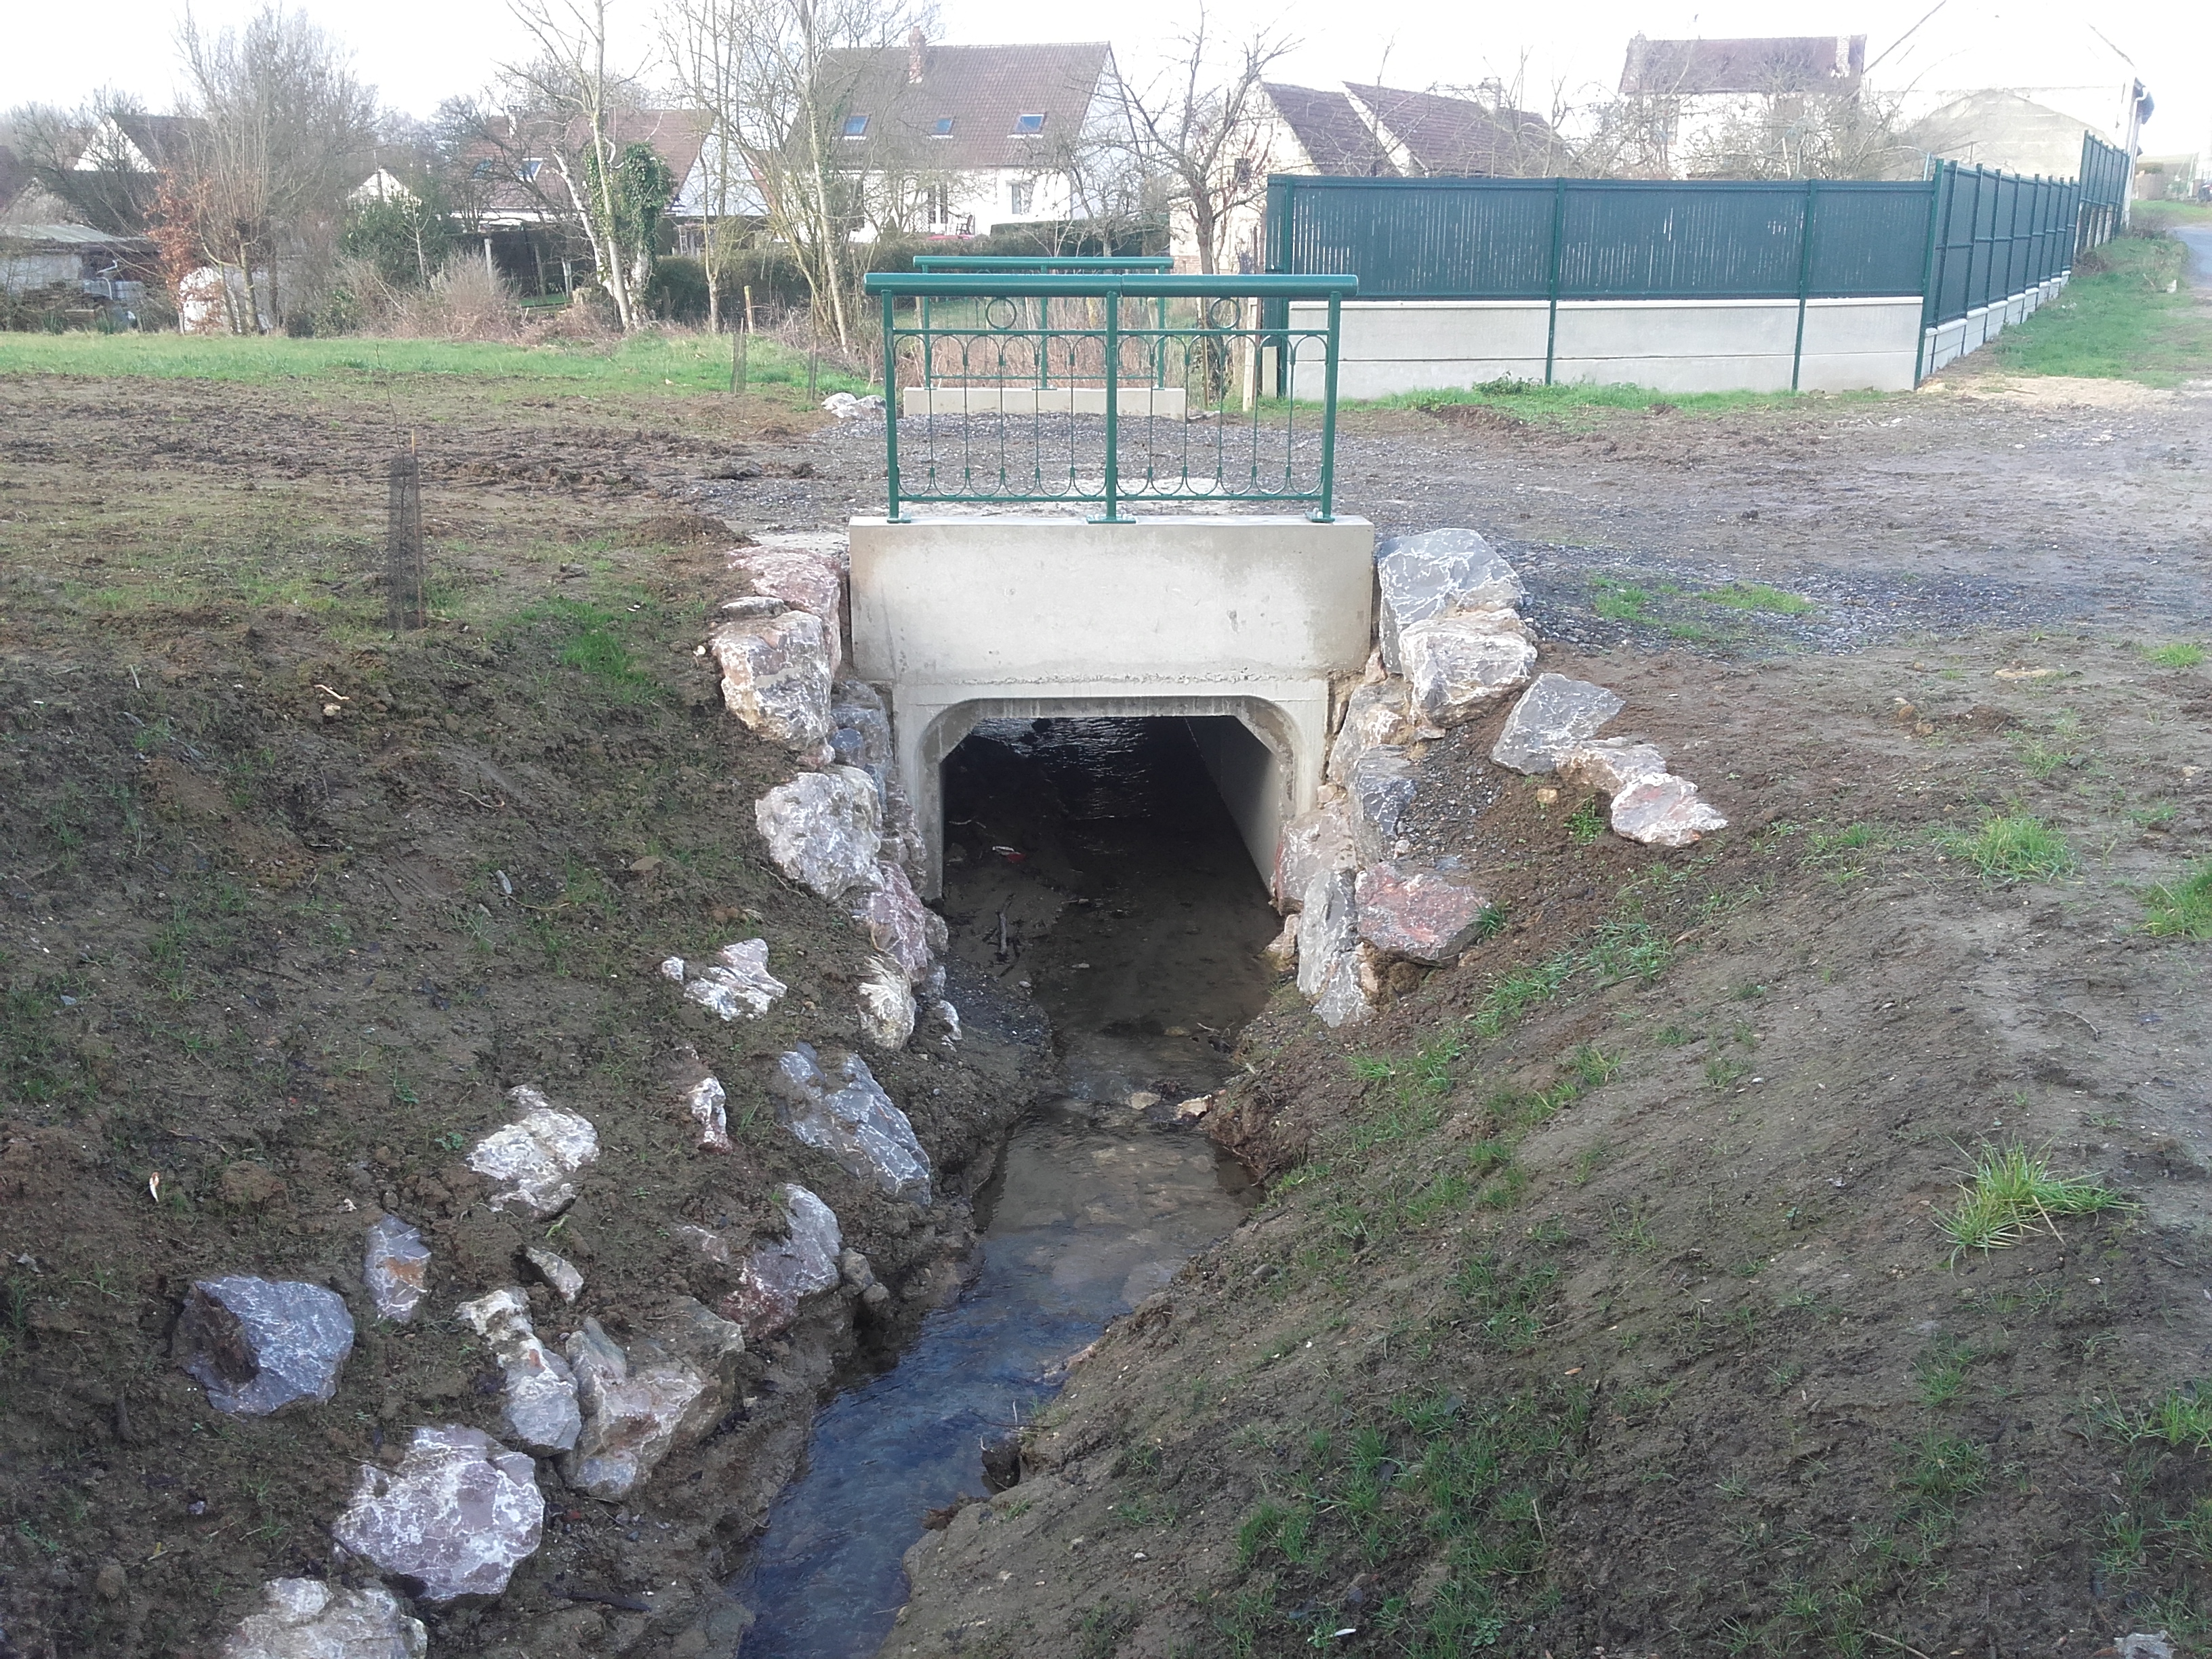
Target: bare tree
{"x":570,"y":80}
{"x":283,"y":132}
{"x":783,"y":76}
{"x":1793,"y":131}
{"x":699,"y":38}
{"x":1198,"y":128}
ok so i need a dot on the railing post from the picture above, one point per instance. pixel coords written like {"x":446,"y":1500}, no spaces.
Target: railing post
{"x":1113,"y":407}
{"x":890,"y":406}
{"x":1558,"y":237}
{"x":1804,"y":279}
{"x":1327,"y":512}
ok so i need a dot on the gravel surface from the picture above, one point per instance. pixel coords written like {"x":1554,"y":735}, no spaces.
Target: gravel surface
{"x":1976,"y":502}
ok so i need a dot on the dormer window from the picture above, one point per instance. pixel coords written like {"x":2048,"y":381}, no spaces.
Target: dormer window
{"x":1027,"y":126}
{"x":481,"y":171}
{"x":856,"y":126}
{"x":943,"y":129}
{"x":529,"y":171}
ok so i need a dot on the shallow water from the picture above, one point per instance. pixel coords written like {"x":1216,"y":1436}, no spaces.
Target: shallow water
{"x":1086,"y":1222}
{"x":1130,"y":911}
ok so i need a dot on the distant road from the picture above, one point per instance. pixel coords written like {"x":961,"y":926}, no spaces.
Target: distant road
{"x":2199,"y":239}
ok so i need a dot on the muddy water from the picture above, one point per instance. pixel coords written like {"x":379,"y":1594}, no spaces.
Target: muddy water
{"x":1090,"y":867}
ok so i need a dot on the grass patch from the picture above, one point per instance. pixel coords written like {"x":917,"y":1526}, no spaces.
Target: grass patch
{"x":2182,"y":653}
{"x":2115,"y":320}
{"x":1617,"y":601}
{"x":2012,"y":1195}
{"x":1532,"y":400}
{"x":662,"y":365}
{"x":2182,"y":911}
{"x":2014,"y":847}
{"x":1758,"y":596}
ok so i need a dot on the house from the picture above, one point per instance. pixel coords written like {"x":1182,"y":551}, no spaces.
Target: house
{"x":85,"y":260}
{"x":950,"y":140}
{"x":1681,"y":96}
{"x":1362,"y":132}
{"x":2009,"y":130}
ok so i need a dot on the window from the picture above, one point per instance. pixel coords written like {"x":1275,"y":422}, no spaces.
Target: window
{"x":1024,"y":124}
{"x":943,"y":129}
{"x":856,"y":126}
{"x":1017,"y":197}
{"x":530,"y":170}
{"x":937,"y":204}
{"x":480,"y":171}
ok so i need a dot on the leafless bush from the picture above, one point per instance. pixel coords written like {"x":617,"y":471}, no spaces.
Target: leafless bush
{"x":465,"y":301}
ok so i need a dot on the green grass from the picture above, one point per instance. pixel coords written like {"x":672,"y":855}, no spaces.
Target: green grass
{"x":2180,"y":654}
{"x":1533,"y":401}
{"x":2182,"y":1419}
{"x":2012,"y":1195}
{"x":2115,"y":320}
{"x":663,"y":364}
{"x":1758,"y":596}
{"x":2182,"y":911}
{"x":1617,"y":602}
{"x":2014,"y":847}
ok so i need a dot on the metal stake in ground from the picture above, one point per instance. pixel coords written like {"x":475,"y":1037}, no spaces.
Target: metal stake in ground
{"x":404,"y":574}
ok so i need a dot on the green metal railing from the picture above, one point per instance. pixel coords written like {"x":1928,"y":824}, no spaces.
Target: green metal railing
{"x":1104,"y":388}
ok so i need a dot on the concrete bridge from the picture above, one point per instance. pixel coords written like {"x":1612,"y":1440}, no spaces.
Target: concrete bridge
{"x":966,"y":619}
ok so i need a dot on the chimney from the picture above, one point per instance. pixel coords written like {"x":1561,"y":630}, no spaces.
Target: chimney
{"x":917,"y":44}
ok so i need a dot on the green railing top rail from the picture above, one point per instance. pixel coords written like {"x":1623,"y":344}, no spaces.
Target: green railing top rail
{"x":990,"y":285}
{"x":959,"y":262}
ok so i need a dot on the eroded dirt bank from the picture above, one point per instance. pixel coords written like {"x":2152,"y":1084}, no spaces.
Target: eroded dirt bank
{"x":1598,"y":1304}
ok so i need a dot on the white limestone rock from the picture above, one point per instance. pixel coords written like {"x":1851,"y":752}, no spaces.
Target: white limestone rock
{"x":1458,"y":665}
{"x":897,"y":923}
{"x":531,"y":1161}
{"x":1328,"y":938}
{"x":777,"y":1278}
{"x":1611,"y":764}
{"x":396,"y":1267}
{"x":737,"y":984}
{"x":850,"y":1117}
{"x":887,"y":1009}
{"x":812,"y":580}
{"x":1382,"y":788}
{"x":948,"y":1021}
{"x":775,"y":677}
{"x":1663,"y":812}
{"x":539,"y":1409}
{"x":257,"y":1345}
{"x":1282,"y":951}
{"x":1436,"y":574}
{"x":668,"y":1390}
{"x":707,"y":1102}
{"x":1425,"y":913}
{"x":1554,"y":717}
{"x":1375,"y":715}
{"x":824,"y":829}
{"x":311,"y":1618}
{"x":561,"y":1274}
{"x":456,"y":1516}
{"x":1311,"y":843}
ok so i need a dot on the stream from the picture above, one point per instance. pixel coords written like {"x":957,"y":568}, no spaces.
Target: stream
{"x":1091,"y":863}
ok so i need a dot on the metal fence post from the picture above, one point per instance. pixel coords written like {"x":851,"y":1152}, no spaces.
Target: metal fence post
{"x":890,"y":405}
{"x":1327,"y":512}
{"x":1559,"y":236}
{"x":1804,"y":278}
{"x":1113,"y":406}
{"x":1931,"y":273}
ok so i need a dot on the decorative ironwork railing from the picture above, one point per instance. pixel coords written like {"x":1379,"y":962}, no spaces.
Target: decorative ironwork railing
{"x":1105,"y":387}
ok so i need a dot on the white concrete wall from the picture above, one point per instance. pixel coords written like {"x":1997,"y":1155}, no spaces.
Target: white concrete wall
{"x":965,"y":619}
{"x":1948,"y":342}
{"x":1669,"y":346}
{"x":1254,"y":782}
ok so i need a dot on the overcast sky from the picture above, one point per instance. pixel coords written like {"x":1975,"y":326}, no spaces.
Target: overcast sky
{"x":417,"y":52}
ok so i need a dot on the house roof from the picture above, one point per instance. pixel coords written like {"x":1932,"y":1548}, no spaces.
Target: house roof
{"x":675,"y":136}
{"x":73,"y":236}
{"x":1328,"y":128}
{"x":159,"y":139}
{"x":1456,"y":136}
{"x":1686,"y":68}
{"x":15,"y":178}
{"x":905,"y":93}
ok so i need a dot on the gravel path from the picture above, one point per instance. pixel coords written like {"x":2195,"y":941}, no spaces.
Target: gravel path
{"x":1976,"y":502}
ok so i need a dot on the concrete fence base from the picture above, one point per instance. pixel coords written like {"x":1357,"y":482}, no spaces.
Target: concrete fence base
{"x":1392,"y":346}
{"x":1948,"y":342}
